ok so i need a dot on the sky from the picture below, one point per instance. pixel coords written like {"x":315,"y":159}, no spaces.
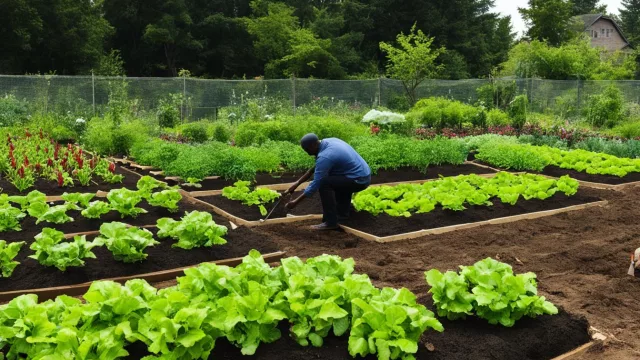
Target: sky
{"x":510,"y":7}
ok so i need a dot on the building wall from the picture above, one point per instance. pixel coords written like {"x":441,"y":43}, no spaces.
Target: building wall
{"x":613,"y":42}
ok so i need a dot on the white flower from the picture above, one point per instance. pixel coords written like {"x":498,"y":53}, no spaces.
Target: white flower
{"x":232,"y":115}
{"x":247,"y":92}
{"x":80,"y":121}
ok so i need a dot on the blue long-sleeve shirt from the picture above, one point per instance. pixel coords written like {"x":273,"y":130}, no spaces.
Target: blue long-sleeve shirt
{"x":337,"y":158}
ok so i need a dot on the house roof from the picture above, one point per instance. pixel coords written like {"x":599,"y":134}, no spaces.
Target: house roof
{"x":590,"y":19}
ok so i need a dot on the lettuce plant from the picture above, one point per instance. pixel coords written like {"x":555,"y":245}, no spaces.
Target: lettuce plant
{"x":490,"y":290}
{"x":78,"y":198}
{"x":96,"y":209}
{"x":56,"y":214}
{"x":7,"y":253}
{"x":124,"y":201}
{"x":389,"y":324}
{"x":260,"y":196}
{"x":167,"y":199}
{"x":10,"y":218}
{"x":195,"y":229}
{"x":126,"y":243}
{"x":52,"y":249}
{"x":147,"y":184}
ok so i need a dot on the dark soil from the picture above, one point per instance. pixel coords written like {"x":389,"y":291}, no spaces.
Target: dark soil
{"x":580,"y":258}
{"x":583,"y":176}
{"x":51,"y":187}
{"x":385,"y":225}
{"x":542,"y":338}
{"x":433,"y":172}
{"x":82,"y":224}
{"x":251,"y":213}
{"x":30,"y":274}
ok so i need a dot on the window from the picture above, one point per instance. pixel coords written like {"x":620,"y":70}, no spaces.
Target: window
{"x":602,"y":31}
{"x":595,"y":34}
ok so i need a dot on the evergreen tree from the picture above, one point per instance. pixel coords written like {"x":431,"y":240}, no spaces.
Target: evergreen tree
{"x":630,"y":18}
{"x":548,"y":20}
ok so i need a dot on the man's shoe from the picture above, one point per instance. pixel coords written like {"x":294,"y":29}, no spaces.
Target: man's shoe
{"x":325,"y":226}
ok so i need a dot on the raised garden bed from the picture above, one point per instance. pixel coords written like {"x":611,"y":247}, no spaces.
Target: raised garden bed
{"x":385,"y":225}
{"x":51,"y":187}
{"x":309,"y":206}
{"x":607,"y":181}
{"x":82,"y":224}
{"x":531,"y":339}
{"x":31,"y":275}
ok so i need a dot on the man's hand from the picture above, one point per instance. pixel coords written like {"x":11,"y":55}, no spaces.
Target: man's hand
{"x":291,"y":190}
{"x":293,"y":203}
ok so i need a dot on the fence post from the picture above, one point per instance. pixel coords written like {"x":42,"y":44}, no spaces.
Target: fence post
{"x":379,"y":91}
{"x":184,"y":96}
{"x":293,"y":87}
{"x":93,"y":91}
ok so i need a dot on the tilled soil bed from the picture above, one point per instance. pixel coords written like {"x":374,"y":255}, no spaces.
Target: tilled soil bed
{"x":30,"y":274}
{"x":82,"y":224}
{"x":580,"y":259}
{"x":252,"y":213}
{"x":51,"y":187}
{"x":385,"y":225}
{"x":557,"y":172}
{"x":531,"y":339}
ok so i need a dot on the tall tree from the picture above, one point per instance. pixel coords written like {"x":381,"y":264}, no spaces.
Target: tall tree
{"x":630,"y":18}
{"x":548,"y":20}
{"x":20,"y":31}
{"x":582,"y":7}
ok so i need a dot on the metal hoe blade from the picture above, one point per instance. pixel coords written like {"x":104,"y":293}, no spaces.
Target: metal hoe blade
{"x":273,"y":209}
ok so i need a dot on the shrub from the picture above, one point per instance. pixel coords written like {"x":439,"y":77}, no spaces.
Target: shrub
{"x":221,"y":133}
{"x":496,"y":117}
{"x":518,"y":111}
{"x":63,"y":134}
{"x":104,"y":137}
{"x":628,"y":131}
{"x":605,"y":109}
{"x":169,"y":111}
{"x":195,"y":132}
{"x":12,"y":111}
{"x":440,"y":113}
{"x":399,"y":103}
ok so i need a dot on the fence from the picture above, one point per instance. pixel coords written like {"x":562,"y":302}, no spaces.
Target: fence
{"x":92,"y":94}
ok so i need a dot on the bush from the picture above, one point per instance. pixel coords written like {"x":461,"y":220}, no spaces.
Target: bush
{"x":605,"y":110}
{"x":12,"y":111}
{"x":62,"y":134}
{"x":256,"y":133}
{"x":399,"y":103}
{"x":195,"y":132}
{"x":623,"y":149}
{"x":496,"y":117}
{"x":628,"y":131}
{"x":541,"y":140}
{"x":518,"y":111}
{"x":169,"y":111}
{"x":512,"y":156}
{"x":221,"y":133}
{"x":440,"y":113}
{"x":104,"y":137}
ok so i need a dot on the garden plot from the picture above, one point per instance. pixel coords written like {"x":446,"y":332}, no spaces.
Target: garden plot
{"x":591,"y":169}
{"x":410,"y":211}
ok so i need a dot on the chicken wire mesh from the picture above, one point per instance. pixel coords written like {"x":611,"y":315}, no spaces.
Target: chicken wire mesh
{"x":201,"y":98}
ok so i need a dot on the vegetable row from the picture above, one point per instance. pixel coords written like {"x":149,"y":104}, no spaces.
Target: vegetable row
{"x":245,"y":305}
{"x":524,"y":157}
{"x":33,"y":156}
{"x":453,"y":193}
{"x":124,"y":201}
{"x":237,"y":163}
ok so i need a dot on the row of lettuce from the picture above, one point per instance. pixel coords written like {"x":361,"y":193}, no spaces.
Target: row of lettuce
{"x":381,"y":153}
{"x":246,"y":305}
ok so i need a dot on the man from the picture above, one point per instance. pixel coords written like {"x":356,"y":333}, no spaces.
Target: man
{"x":339,"y":173}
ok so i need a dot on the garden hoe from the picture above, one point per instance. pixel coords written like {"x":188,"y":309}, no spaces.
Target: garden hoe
{"x":635,"y":263}
{"x":274,"y":207}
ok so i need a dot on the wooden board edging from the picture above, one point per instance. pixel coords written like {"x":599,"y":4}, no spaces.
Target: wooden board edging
{"x":446,"y":229}
{"x":158,"y":276}
{"x":577,"y":351}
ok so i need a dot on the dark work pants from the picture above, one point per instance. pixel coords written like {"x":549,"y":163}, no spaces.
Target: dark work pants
{"x":335,"y":194}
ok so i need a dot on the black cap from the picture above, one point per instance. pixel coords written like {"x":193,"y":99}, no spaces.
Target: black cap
{"x":308,"y":140}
